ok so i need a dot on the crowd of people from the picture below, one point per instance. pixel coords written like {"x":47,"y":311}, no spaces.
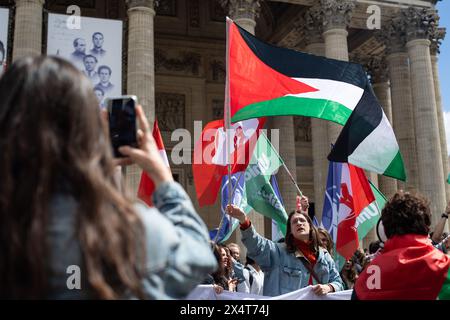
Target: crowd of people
{"x":62,"y":203}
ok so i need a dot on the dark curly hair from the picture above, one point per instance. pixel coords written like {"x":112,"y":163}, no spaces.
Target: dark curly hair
{"x":406,"y":213}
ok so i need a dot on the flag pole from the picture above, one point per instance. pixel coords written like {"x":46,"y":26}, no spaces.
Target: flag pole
{"x":237,"y":183}
{"x":218,"y":230}
{"x":286,"y":168}
{"x":227,"y":106}
{"x":293,"y":180}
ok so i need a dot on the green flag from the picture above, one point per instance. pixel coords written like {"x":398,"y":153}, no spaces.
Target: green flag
{"x":260,"y":194}
{"x":369,"y":217}
{"x":448,"y":179}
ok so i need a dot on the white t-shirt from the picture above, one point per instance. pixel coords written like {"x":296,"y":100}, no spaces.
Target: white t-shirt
{"x":257,"y":283}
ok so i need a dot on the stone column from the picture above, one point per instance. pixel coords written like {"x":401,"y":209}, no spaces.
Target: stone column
{"x":141,"y":67}
{"x":312,"y":29}
{"x":420,"y":25}
{"x":434,"y":50}
{"x":393,"y":37}
{"x":379,"y":72}
{"x":336,"y":18}
{"x":244,"y":13}
{"x":28,"y":28}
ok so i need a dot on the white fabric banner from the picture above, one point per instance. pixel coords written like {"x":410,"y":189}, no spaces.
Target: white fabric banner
{"x":206,"y":292}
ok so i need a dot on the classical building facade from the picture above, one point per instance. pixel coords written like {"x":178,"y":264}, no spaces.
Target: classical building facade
{"x":174,"y":61}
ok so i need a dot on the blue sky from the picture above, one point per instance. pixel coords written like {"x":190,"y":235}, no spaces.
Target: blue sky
{"x":444,"y":59}
{"x":444,"y":65}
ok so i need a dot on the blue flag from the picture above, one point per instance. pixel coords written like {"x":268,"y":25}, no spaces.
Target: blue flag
{"x":229,"y":224}
{"x":351,"y":208}
{"x":331,"y":201}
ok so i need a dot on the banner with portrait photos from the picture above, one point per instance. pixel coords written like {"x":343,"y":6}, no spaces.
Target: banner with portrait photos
{"x":4,"y":23}
{"x":95,"y":48}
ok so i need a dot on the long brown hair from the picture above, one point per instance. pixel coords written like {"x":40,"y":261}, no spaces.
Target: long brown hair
{"x":51,"y":134}
{"x":313,"y":234}
{"x":219,"y":274}
{"x":330,"y":245}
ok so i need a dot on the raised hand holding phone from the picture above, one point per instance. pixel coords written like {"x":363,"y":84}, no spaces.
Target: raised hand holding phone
{"x":147,"y":155}
{"x":122,"y":122}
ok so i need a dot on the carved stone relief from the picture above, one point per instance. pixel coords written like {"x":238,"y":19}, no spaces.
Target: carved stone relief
{"x":194,"y":13}
{"x":436,"y":40}
{"x":170,"y":110}
{"x":166,"y":8}
{"x":419,"y":23}
{"x":337,"y":13}
{"x":302,"y":127}
{"x":217,"y":12}
{"x":240,"y":9}
{"x":186,"y":63}
{"x":217,"y":71}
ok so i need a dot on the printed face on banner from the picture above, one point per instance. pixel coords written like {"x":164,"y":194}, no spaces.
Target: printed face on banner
{"x":4,"y":19}
{"x":95,"y":49}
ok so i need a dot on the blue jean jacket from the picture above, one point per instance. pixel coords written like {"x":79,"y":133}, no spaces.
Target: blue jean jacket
{"x":177,"y":250}
{"x":283,"y":271}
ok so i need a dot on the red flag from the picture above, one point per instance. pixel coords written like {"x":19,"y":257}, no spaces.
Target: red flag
{"x":146,"y":185}
{"x":210,"y":161}
{"x":356,"y":195}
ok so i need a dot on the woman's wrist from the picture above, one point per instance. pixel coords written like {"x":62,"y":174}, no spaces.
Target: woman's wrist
{"x":160,"y":176}
{"x":245,"y":224}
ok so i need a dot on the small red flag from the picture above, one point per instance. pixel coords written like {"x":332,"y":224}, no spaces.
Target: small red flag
{"x":146,"y":185}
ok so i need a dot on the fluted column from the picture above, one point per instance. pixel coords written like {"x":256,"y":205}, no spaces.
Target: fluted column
{"x":394,"y":38}
{"x":141,"y":67}
{"x":312,"y":29}
{"x":379,"y":72}
{"x":434,"y":51}
{"x":28,"y":28}
{"x":244,"y":13}
{"x":336,"y":18}
{"x":431,"y":176}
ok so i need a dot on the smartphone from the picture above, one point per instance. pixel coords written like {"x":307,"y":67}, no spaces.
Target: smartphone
{"x":122,"y":122}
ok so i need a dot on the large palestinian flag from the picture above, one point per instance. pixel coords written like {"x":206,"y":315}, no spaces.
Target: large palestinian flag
{"x":409,"y":268}
{"x":265,"y":80}
{"x":368,"y":141}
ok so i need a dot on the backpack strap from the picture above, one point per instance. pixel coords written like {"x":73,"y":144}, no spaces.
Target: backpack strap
{"x":310,"y":269}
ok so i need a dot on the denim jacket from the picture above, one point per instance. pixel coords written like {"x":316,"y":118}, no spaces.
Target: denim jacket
{"x":283,"y":271}
{"x":177,"y":250}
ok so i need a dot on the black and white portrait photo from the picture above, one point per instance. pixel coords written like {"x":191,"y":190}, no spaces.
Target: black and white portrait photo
{"x":91,"y":50}
{"x":79,"y":45}
{"x":104,"y":73}
{"x":4,"y":18}
{"x":90,"y":67}
{"x":97,"y":45}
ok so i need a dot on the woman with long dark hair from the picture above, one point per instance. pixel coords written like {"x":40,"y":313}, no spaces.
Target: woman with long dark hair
{"x":60,"y":206}
{"x":294,"y":264}
{"x":222,"y":279}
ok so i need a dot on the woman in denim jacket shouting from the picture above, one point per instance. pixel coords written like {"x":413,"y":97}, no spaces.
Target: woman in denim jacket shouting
{"x":294,"y":264}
